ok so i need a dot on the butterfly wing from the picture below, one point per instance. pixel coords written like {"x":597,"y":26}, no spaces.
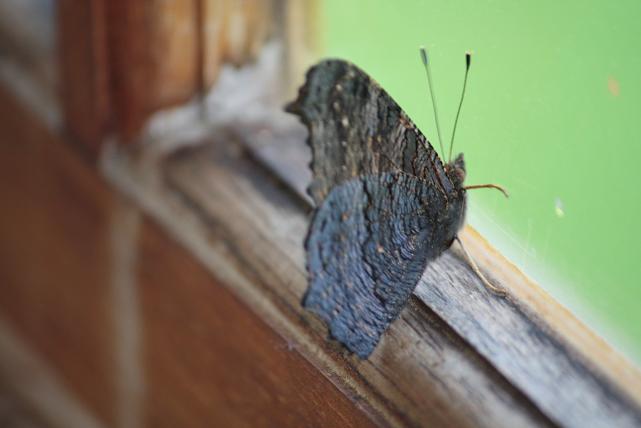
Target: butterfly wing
{"x":356,"y":129}
{"x":367,"y":248}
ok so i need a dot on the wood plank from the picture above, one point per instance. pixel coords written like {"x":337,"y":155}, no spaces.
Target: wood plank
{"x":27,"y":36}
{"x":575,"y":377}
{"x":30,"y":383}
{"x":421,"y":373}
{"x":205,"y":358}
{"x":163,"y":54}
{"x":234,"y":32}
{"x":154,"y":58}
{"x":123,"y":60}
{"x":54,"y":257}
{"x":470,"y":304}
{"x":303,"y":26}
{"x":84,"y":70}
{"x":528,"y":322}
{"x":172,"y":51}
{"x":13,"y":413}
{"x":210,"y":361}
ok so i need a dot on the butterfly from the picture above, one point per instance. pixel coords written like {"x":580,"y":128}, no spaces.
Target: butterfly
{"x":386,"y":204}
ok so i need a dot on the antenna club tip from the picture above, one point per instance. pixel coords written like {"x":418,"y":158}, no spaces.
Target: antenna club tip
{"x":423,"y":55}
{"x":468,"y":59}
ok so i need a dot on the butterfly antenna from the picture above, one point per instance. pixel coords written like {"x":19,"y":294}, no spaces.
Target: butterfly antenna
{"x":426,"y":64}
{"x":468,"y":61}
{"x":493,"y":288}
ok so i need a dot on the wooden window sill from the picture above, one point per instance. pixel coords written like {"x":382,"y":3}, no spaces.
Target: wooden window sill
{"x":458,"y":355}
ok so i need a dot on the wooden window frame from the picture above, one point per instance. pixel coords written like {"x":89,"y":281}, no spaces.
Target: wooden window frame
{"x":234,"y":195}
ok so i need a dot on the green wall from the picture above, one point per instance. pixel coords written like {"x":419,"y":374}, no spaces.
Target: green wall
{"x":552,"y":112}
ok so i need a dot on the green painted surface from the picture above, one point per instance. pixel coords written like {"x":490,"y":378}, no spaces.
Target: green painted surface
{"x":553,"y":112}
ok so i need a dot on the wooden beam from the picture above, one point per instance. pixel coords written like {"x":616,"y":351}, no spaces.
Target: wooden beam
{"x":528,"y":322}
{"x":458,"y":354}
{"x":153,"y":56}
{"x":106,"y":321}
{"x":249,"y":230}
{"x":506,"y":331}
{"x":84,"y":70}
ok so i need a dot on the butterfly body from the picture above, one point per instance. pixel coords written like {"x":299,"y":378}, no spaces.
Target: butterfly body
{"x":386,"y":204}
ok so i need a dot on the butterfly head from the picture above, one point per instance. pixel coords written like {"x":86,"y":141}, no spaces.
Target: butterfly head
{"x":456,"y":171}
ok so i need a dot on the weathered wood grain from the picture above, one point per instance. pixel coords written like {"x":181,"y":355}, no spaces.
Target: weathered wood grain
{"x":86,"y":95}
{"x":249,"y":231}
{"x":524,"y":360}
{"x":153,"y":59}
{"x":51,"y":275}
{"x":106,"y":321}
{"x":301,"y":28}
{"x":210,"y":361}
{"x":574,"y":378}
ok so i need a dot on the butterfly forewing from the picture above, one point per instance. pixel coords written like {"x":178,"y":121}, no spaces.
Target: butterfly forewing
{"x":357,"y":129}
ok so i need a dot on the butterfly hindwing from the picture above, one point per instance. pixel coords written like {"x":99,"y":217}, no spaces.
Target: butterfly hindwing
{"x":367,"y":248}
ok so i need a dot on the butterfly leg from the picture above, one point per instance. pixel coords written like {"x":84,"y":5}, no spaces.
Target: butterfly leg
{"x":494,"y":289}
{"x":488,"y":186}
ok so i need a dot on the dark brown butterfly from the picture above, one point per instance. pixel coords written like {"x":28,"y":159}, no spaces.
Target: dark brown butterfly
{"x":386,"y":203}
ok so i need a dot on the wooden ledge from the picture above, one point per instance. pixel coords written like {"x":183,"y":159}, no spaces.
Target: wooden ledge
{"x":457,"y":356}
{"x":448,"y":288}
